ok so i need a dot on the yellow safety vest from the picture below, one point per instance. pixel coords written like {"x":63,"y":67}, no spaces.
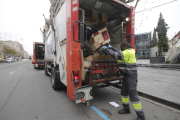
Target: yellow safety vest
{"x":128,"y":62}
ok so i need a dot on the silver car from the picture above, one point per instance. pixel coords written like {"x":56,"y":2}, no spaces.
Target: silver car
{"x":9,"y":60}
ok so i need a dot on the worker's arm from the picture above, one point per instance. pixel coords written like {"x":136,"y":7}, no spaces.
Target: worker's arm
{"x":115,"y":53}
{"x":115,"y":49}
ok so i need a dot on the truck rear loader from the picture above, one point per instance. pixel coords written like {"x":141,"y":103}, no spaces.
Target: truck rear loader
{"x":70,"y":59}
{"x":38,"y":55}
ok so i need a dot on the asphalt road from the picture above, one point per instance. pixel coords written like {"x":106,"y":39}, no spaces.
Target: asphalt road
{"x":26,"y":94}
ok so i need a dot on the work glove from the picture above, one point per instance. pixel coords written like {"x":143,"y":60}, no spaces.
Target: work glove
{"x":104,"y":47}
{"x":110,"y":46}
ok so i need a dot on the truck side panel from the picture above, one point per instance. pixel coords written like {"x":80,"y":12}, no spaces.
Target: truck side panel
{"x":48,"y":48}
{"x":60,"y":22}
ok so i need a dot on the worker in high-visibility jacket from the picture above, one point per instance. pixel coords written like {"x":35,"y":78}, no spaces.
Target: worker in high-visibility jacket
{"x":127,"y":66}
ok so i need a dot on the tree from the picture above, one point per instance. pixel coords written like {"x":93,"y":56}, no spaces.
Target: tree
{"x":154,"y":39}
{"x":162,"y":35}
{"x":13,"y":52}
{"x":19,"y":54}
{"x":10,"y":51}
{"x":5,"y":50}
{"x":1,"y":48}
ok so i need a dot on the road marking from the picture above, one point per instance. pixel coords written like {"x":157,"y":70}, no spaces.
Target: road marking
{"x":20,"y":68}
{"x":100,"y":113}
{"x":12,"y":72}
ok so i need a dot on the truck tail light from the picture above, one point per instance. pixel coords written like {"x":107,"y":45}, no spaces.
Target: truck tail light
{"x":33,"y":62}
{"x":76,"y":78}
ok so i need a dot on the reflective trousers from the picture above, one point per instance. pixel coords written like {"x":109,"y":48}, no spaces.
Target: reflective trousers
{"x":129,"y":90}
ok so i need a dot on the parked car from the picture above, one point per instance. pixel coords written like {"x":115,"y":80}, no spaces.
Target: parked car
{"x":0,"y":59}
{"x":13,"y":60}
{"x":3,"y":61}
{"x":9,"y":60}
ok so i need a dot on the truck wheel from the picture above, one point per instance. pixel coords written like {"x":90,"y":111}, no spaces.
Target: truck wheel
{"x":45,"y":70}
{"x":35,"y":68}
{"x":56,"y":83}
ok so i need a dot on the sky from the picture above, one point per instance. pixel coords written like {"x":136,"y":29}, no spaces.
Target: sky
{"x":24,"y":18}
{"x":146,"y":21}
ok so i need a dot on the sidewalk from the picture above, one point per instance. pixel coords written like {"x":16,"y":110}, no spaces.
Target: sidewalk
{"x":146,"y":63}
{"x":161,"y":83}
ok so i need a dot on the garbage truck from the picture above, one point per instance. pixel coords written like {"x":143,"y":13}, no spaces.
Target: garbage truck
{"x":38,"y":55}
{"x":77,"y":31}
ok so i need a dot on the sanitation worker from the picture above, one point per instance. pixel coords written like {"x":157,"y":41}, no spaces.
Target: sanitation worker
{"x":127,"y":66}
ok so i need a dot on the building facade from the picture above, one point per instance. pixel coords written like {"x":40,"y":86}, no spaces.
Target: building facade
{"x":1,"y":50}
{"x":26,"y":56}
{"x":12,"y":45}
{"x":142,"y":44}
{"x":16,"y":46}
{"x":22,"y":50}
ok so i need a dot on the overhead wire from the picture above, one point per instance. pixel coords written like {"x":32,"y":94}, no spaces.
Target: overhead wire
{"x":142,"y":15}
{"x":155,"y":6}
{"x":147,"y":14}
{"x":150,"y":10}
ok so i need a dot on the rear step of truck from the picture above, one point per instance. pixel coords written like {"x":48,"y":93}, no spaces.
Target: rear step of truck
{"x":100,"y":74}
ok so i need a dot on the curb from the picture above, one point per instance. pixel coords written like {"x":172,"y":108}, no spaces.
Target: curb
{"x":168,"y":67}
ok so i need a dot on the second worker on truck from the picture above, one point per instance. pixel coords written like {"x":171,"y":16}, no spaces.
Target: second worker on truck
{"x":127,"y":65}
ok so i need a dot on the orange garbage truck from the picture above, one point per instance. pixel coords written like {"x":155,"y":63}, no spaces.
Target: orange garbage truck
{"x":73,"y":54}
{"x":38,"y":55}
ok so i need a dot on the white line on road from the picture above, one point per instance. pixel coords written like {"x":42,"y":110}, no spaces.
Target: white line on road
{"x":12,"y":72}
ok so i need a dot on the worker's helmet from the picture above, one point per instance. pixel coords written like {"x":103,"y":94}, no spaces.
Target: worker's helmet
{"x":124,"y":44}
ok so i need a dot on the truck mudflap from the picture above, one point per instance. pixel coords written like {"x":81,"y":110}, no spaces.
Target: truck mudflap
{"x":83,"y":94}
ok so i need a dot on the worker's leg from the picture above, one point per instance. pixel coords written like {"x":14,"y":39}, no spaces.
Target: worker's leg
{"x":133,"y":95}
{"x":124,"y":93}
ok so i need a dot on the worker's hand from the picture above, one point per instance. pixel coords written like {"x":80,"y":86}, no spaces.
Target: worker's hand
{"x":104,"y":47}
{"x":110,"y":46}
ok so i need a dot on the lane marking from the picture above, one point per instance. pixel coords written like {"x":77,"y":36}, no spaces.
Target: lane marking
{"x":12,"y":72}
{"x":100,"y":113}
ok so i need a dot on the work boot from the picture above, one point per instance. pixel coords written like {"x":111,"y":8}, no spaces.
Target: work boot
{"x":141,"y":118}
{"x":124,"y":111}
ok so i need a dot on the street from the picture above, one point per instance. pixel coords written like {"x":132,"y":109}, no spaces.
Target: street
{"x":26,"y":94}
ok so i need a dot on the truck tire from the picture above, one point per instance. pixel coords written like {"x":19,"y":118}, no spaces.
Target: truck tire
{"x":55,"y":83}
{"x":35,"y":68}
{"x":45,"y":70}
